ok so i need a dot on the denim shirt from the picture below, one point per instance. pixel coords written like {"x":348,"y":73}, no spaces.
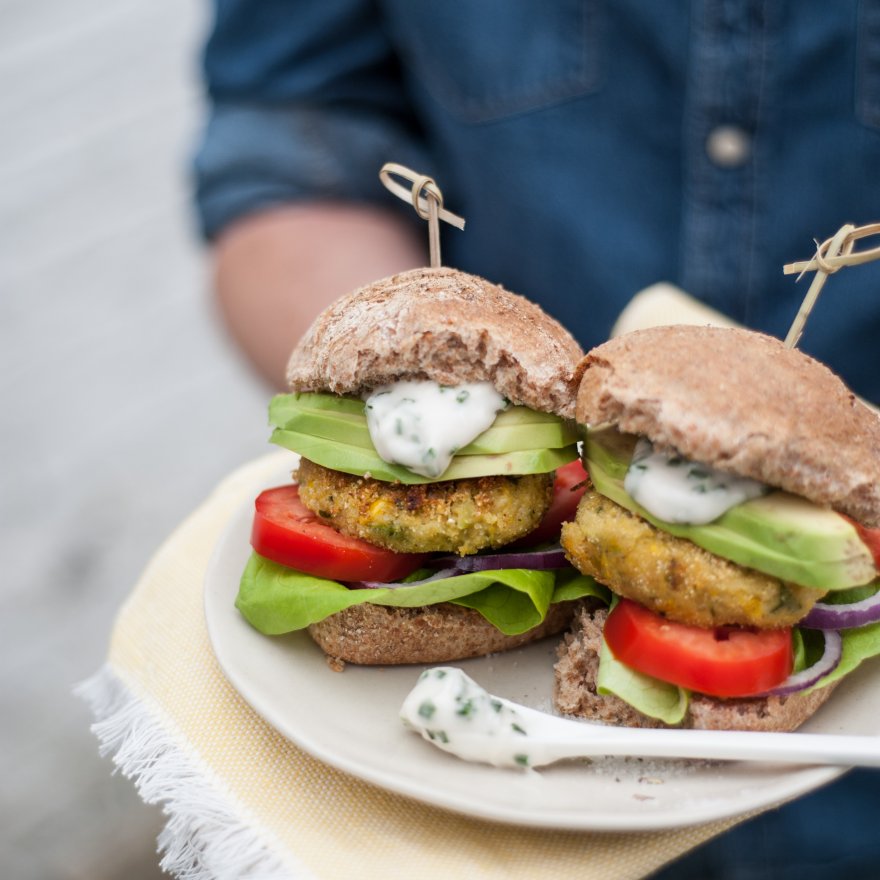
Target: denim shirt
{"x":594,"y":147}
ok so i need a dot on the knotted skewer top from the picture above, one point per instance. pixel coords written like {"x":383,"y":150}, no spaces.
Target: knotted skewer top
{"x":427,"y":200}
{"x":831,"y":256}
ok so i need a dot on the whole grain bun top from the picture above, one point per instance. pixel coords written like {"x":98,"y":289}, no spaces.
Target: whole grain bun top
{"x":742,"y":402}
{"x":444,"y":325}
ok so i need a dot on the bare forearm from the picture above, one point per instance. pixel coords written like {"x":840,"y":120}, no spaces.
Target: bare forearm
{"x":276,"y":270}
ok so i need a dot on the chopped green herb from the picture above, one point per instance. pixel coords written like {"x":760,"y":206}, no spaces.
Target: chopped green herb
{"x":522,"y":760}
{"x":785,"y":599}
{"x":466,"y":709}
{"x":462,"y":395}
{"x":427,"y":709}
{"x":517,"y":729}
{"x":698,"y":473}
{"x":497,"y":705}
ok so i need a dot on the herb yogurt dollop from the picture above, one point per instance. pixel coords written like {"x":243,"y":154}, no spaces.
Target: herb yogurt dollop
{"x":422,"y":424}
{"x":677,"y":490}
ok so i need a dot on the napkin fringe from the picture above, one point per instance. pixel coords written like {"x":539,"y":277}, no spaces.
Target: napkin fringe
{"x":205,"y":837}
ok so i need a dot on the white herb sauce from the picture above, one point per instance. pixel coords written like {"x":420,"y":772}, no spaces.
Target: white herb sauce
{"x":422,"y":424}
{"x":676,"y":490}
{"x":452,"y":711}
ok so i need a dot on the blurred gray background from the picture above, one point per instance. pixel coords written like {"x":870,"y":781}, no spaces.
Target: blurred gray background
{"x":122,"y":402}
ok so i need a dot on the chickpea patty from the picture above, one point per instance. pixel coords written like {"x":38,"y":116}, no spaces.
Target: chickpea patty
{"x":456,"y":516}
{"x":675,"y":577}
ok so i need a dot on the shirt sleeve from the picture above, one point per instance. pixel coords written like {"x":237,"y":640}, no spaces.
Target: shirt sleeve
{"x":305,"y":102}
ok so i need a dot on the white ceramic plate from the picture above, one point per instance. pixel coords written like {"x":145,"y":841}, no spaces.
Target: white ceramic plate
{"x":350,"y":720}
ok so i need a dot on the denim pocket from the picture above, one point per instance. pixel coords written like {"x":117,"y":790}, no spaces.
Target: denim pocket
{"x":483,"y":60}
{"x":868,"y":63}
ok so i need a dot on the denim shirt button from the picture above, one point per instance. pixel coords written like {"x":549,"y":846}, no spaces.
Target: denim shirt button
{"x":728,"y":146}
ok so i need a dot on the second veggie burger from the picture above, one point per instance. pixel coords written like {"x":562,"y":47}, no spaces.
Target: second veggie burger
{"x":734,"y":518}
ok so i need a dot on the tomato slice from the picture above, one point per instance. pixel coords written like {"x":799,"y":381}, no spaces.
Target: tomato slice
{"x":568,"y":487}
{"x":288,"y":533}
{"x":722,"y":662}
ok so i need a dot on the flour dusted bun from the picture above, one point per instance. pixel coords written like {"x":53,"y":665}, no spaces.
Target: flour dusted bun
{"x":743,"y":402}
{"x":444,"y":325}
{"x":379,"y":635}
{"x":575,"y":692}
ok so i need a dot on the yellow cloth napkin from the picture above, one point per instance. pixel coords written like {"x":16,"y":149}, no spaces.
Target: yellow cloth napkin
{"x":245,"y":802}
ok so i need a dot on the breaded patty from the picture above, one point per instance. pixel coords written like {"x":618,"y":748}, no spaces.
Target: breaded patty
{"x":455,"y":516}
{"x":674,"y":577}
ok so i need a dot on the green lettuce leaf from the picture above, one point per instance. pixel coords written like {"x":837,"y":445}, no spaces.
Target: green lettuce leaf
{"x":275,"y":599}
{"x":646,"y":694}
{"x":650,"y":696}
{"x":571,"y":584}
{"x":859,"y":644}
{"x":799,"y":650}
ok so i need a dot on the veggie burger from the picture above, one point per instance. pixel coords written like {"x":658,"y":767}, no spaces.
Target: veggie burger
{"x":430,"y":411}
{"x":733,"y":515}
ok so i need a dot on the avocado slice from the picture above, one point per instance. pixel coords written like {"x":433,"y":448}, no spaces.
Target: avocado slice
{"x":779,"y":534}
{"x":362,"y":462}
{"x":343,"y":419}
{"x":284,"y":406}
{"x":514,"y":429}
{"x":332,"y":431}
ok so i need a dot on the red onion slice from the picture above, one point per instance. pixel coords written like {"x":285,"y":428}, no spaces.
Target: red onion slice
{"x":549,"y":557}
{"x":378,"y":585}
{"x":809,"y":676}
{"x":539,"y":560}
{"x":823,"y":616}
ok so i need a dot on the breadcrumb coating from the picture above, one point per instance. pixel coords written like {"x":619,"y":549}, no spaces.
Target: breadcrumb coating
{"x":453,"y":516}
{"x":673,"y":576}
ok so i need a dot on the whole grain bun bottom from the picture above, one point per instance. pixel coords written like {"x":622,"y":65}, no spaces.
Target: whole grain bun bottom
{"x":575,"y":691}
{"x":377,"y":635}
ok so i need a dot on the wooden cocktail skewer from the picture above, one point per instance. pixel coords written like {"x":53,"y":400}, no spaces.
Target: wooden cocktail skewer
{"x":832,"y":255}
{"x":426,"y":198}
